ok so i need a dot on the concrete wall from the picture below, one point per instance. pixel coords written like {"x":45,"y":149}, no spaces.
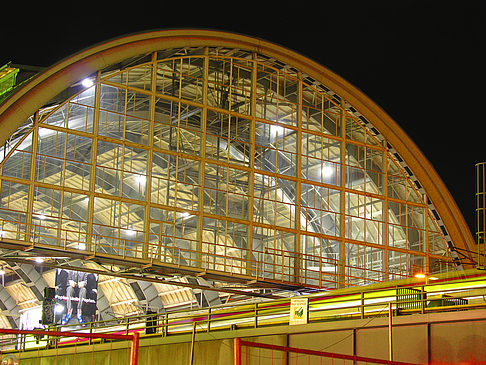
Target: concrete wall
{"x":445,"y":338}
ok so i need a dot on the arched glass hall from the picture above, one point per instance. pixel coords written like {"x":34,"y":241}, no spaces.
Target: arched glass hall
{"x":218,"y":161}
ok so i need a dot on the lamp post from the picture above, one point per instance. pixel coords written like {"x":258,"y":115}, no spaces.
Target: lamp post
{"x":421,"y":275}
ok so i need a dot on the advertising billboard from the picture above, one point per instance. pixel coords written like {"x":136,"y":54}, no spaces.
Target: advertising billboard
{"x":75,"y":298}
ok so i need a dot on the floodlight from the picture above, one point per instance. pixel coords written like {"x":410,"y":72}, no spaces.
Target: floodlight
{"x":327,"y":171}
{"x":87,"y":82}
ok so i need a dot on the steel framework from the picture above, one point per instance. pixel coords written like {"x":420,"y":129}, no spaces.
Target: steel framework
{"x":217,"y":162}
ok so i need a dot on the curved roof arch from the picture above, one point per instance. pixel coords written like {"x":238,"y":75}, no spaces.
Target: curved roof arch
{"x":25,"y":101}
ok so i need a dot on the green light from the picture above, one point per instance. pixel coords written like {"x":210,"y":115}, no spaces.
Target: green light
{"x":8,"y":76}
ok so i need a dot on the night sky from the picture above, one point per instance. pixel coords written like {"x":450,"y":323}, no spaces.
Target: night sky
{"x":424,"y":65}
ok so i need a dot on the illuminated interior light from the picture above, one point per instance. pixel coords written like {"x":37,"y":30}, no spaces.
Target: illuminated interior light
{"x":185,"y":214}
{"x":87,"y":82}
{"x":46,"y":132}
{"x":327,"y":171}
{"x":130,"y":232}
{"x":141,"y":179}
{"x":420,"y":275}
{"x":82,"y":246}
{"x":277,"y":131}
{"x":332,"y":269}
{"x":39,"y":260}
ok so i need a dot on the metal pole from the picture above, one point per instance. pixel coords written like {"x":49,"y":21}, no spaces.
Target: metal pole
{"x":390,"y":332}
{"x":422,"y":299}
{"x":192,"y":343}
{"x":481,"y":212}
{"x":237,"y":351}
{"x":362,"y":309}
{"x":209,"y":320}
{"x":134,"y":352}
{"x":256,"y":315}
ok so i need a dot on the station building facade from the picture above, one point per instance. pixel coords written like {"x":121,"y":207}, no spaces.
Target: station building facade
{"x":221,"y":156}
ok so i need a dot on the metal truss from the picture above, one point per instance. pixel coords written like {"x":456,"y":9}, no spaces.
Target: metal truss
{"x":220,"y":165}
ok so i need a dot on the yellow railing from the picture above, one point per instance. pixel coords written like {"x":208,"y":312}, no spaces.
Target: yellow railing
{"x":447,"y":295}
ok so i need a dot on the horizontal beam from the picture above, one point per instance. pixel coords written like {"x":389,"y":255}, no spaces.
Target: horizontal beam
{"x":107,"y":336}
{"x":140,"y":277}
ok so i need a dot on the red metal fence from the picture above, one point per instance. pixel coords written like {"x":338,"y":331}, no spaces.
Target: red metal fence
{"x":53,"y":335}
{"x":321,"y":355}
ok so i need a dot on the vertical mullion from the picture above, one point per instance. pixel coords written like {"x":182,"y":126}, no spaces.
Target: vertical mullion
{"x":63,"y":182}
{"x":202,"y":160}
{"x":299,"y":254}
{"x":342,"y":255}
{"x":30,"y":199}
{"x":230,"y":86}
{"x":251,"y":179}
{"x":122,"y":173}
{"x":94,"y":153}
{"x":148,"y":174}
{"x":385,"y":260}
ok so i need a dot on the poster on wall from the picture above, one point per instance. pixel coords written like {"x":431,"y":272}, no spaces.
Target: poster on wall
{"x":31,"y":319}
{"x":75,"y":298}
{"x":298,"y":311}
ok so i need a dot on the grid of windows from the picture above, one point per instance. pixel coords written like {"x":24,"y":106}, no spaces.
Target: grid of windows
{"x":223,"y":161}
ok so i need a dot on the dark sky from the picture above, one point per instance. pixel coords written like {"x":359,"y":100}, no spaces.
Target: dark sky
{"x":423,"y":64}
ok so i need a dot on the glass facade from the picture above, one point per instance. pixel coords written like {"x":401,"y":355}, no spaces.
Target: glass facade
{"x":224,"y":161}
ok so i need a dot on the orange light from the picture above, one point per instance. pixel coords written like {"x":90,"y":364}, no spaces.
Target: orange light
{"x":419,"y":275}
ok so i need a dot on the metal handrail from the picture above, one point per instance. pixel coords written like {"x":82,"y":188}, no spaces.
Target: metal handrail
{"x":335,"y":305}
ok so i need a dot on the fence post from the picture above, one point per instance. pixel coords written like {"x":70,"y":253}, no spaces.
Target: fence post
{"x":362,"y":306}
{"x":191,"y":359}
{"x":237,"y":351}
{"x":390,"y":332}
{"x":134,"y":352}
{"x":165,"y":324}
{"x":422,"y":300}
{"x":209,"y":319}
{"x":90,"y":331}
{"x":256,"y":315}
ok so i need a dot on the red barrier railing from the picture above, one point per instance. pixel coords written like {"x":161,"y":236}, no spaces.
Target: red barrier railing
{"x":239,"y":344}
{"x":133,"y":337}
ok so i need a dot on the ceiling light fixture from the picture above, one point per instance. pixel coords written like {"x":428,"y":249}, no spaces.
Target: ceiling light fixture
{"x":277,"y":131}
{"x":327,"y":171}
{"x":87,"y":82}
{"x":141,"y":179}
